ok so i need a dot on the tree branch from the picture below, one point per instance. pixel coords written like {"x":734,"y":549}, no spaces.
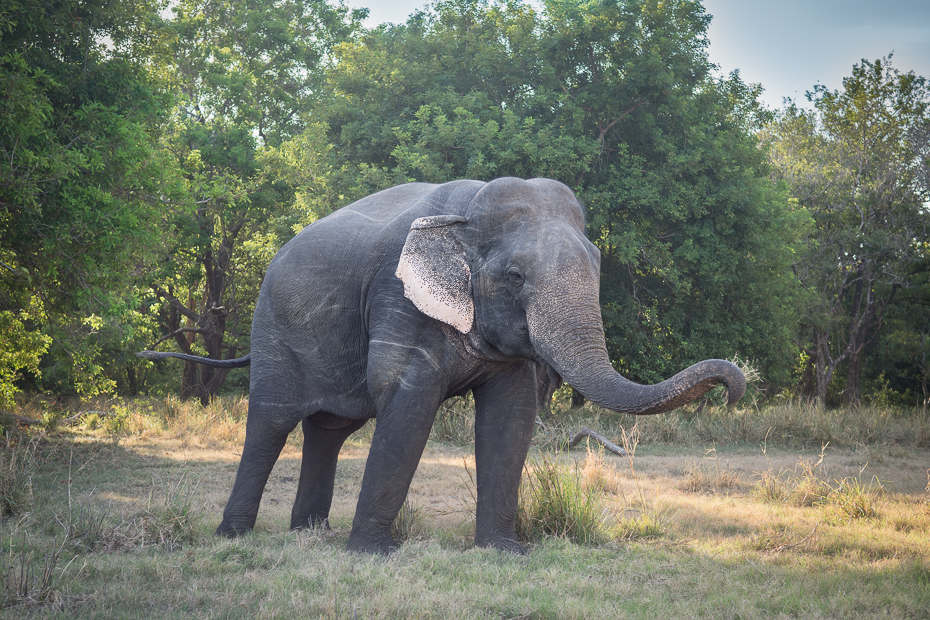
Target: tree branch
{"x":587,"y":432}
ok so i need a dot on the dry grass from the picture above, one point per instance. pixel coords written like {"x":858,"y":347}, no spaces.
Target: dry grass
{"x":17,"y":464}
{"x":707,"y":476}
{"x":411,"y":523}
{"x":794,"y":424}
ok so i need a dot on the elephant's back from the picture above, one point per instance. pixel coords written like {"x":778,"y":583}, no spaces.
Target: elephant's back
{"x":311,"y":312}
{"x":352,"y":242}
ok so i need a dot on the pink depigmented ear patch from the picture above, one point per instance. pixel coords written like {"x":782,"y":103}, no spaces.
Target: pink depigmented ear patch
{"x":435,"y":274}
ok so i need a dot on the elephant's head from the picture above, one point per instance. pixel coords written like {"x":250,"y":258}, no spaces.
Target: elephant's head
{"x":516,"y":270}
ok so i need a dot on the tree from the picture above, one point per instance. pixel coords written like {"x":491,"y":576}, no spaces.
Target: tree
{"x":617,"y":100}
{"x":246,"y":75}
{"x":693,"y":236}
{"x":857,"y":162}
{"x":81,"y":181}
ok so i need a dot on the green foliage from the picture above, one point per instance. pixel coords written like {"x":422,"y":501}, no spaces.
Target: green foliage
{"x":617,"y":100}
{"x":243,"y":78}
{"x":81,"y":180}
{"x":20,"y":349}
{"x":858,"y":163}
{"x":152,"y":165}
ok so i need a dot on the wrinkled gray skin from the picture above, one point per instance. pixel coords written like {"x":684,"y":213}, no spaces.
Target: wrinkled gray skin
{"x":338,"y":338}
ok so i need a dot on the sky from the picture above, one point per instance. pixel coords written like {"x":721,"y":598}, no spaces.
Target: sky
{"x":788,"y":46}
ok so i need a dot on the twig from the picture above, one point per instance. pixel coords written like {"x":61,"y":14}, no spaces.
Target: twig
{"x":753,"y":564}
{"x":587,"y":432}
{"x":799,"y":543}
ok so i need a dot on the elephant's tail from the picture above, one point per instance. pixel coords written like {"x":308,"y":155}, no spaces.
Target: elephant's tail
{"x":238,"y":362}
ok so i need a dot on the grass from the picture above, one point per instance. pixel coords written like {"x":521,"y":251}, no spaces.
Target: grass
{"x":556,"y":501}
{"x":410,"y":524}
{"x":119,"y":519}
{"x":17,"y":464}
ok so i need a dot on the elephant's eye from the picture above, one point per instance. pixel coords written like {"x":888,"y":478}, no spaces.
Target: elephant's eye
{"x":515,"y":278}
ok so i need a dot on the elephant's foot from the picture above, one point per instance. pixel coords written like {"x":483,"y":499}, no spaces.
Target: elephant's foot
{"x":380,"y":545}
{"x":228,"y":530}
{"x":503,"y":543}
{"x":310,"y":523}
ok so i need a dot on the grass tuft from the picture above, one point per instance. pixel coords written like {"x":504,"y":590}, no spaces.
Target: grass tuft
{"x":568,"y":501}
{"x":851,"y":499}
{"x":598,"y":475}
{"x":170,"y":519}
{"x":555,"y":501}
{"x":805,"y":485}
{"x":649,"y":521}
{"x":27,"y":581}
{"x":17,"y":465}
{"x":706,"y":476}
{"x":801,"y":486}
{"x":168,"y":522}
{"x":86,"y":528}
{"x":455,"y":422}
{"x":410,"y":523}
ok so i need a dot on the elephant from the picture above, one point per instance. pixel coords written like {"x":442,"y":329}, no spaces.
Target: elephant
{"x":391,"y":305}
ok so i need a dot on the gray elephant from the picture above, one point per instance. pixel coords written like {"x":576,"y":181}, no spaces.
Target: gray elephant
{"x":408,"y":297}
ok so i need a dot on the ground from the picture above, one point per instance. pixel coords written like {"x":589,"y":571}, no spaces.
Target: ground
{"x":724,"y":550}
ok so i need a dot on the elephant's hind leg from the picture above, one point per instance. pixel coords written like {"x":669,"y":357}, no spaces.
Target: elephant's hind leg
{"x":322,"y":443}
{"x":264,"y":440}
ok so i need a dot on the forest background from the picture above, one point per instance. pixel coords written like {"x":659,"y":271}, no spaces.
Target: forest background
{"x":154,"y":160}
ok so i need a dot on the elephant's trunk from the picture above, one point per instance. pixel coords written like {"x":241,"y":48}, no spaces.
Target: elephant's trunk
{"x":567,"y":331}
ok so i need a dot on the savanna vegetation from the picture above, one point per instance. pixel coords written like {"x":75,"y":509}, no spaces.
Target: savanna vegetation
{"x":155,"y":157}
{"x":732,"y":513}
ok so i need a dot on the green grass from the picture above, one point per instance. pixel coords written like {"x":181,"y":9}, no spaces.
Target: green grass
{"x":119,"y":525}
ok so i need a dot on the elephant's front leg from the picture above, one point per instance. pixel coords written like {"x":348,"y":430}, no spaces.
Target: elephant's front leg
{"x":402,"y":428}
{"x":505,"y":412}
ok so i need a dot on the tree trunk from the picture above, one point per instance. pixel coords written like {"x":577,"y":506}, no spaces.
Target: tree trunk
{"x":858,"y":329}
{"x":851,"y":394}
{"x":824,"y":367}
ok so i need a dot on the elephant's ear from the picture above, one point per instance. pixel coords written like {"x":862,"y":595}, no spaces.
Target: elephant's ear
{"x":435,"y":274}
